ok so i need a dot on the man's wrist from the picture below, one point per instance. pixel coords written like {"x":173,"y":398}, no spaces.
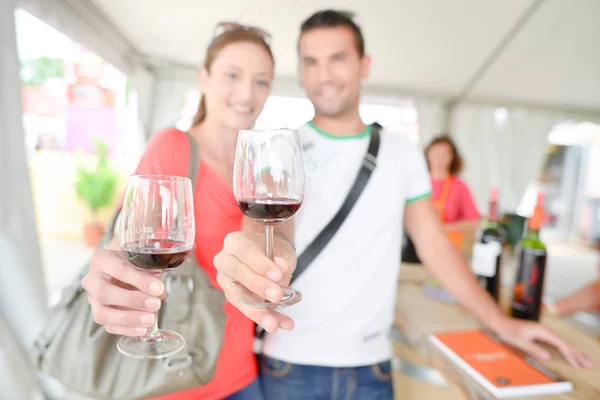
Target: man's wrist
{"x":497,"y":320}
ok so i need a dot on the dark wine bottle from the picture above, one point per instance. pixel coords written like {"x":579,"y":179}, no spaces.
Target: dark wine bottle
{"x":529,"y":285}
{"x":488,"y":250}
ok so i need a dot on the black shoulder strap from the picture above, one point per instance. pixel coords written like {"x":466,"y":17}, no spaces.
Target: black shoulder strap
{"x":368,"y":165}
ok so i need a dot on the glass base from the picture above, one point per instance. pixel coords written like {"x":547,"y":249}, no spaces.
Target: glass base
{"x":165,"y":344}
{"x":289,"y":298}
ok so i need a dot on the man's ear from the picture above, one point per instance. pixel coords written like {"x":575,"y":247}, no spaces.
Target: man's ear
{"x":365,"y":66}
{"x":300,"y":81}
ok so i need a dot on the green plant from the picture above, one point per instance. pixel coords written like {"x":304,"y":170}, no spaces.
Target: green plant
{"x":37,"y":71}
{"x":97,"y":186}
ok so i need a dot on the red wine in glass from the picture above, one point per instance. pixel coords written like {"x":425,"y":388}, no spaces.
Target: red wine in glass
{"x":269,"y":210}
{"x":268,"y":184}
{"x":156,"y":254}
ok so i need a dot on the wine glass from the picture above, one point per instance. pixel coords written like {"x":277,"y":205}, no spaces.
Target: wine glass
{"x":268,"y":184}
{"x":156,"y":234}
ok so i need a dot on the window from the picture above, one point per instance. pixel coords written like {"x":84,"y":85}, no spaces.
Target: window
{"x":72,"y":100}
{"x":402,"y":120}
{"x":571,"y":189}
{"x":397,"y":116}
{"x":190,"y":108}
{"x":285,"y":112}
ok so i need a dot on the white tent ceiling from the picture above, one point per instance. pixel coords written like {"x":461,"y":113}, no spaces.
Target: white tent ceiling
{"x":539,"y":52}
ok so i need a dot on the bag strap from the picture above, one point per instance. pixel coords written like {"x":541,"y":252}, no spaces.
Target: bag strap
{"x":193,"y":166}
{"x":194,"y":163}
{"x":318,"y":244}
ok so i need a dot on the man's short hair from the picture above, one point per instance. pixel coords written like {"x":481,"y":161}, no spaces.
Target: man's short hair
{"x":334,"y":19}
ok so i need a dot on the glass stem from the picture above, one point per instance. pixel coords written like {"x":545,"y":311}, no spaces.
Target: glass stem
{"x":153,"y":332}
{"x":269,"y":241}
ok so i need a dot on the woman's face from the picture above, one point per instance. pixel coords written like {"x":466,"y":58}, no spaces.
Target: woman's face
{"x":238,"y":84}
{"x":439,"y":157}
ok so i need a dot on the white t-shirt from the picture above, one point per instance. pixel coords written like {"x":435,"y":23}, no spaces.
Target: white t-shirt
{"x":347,"y":311}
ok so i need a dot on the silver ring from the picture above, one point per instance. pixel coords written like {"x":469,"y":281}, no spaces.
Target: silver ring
{"x":229,"y":285}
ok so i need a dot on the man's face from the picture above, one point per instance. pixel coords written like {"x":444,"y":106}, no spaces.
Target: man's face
{"x":331,"y":70}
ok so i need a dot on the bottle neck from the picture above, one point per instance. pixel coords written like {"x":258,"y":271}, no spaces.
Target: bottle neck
{"x":532,"y":233}
{"x":493,"y":214}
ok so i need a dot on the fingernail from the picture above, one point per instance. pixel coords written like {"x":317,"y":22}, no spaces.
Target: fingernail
{"x":157,"y":288}
{"x":141,"y":331}
{"x":147,"y":319}
{"x":287,"y":325}
{"x":271,"y":294}
{"x":274,"y":275}
{"x":152,"y":304}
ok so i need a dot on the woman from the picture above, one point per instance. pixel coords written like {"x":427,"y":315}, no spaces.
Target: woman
{"x":451,"y":196}
{"x":235,"y":80}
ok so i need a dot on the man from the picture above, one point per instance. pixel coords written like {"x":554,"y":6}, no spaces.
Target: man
{"x":340,"y":346}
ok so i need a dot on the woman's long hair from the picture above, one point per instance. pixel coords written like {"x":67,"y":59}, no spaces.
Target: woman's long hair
{"x":218,"y":44}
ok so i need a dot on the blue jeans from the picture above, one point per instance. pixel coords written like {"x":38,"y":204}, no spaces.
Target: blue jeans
{"x":282,"y":380}
{"x":251,"y":392}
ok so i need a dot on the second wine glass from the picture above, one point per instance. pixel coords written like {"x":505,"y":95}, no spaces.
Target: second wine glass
{"x":268,"y":183}
{"x":157,"y":234}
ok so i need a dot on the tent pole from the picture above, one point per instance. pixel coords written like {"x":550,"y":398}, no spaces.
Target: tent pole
{"x":497,"y":52}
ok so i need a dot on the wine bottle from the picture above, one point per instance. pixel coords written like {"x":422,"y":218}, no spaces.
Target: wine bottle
{"x":487,"y":250}
{"x":529,"y":285}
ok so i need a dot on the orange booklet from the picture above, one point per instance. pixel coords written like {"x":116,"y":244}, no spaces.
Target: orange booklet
{"x":500,"y":369}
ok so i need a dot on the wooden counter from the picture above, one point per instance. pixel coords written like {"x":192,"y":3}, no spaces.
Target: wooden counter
{"x":418,"y":316}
